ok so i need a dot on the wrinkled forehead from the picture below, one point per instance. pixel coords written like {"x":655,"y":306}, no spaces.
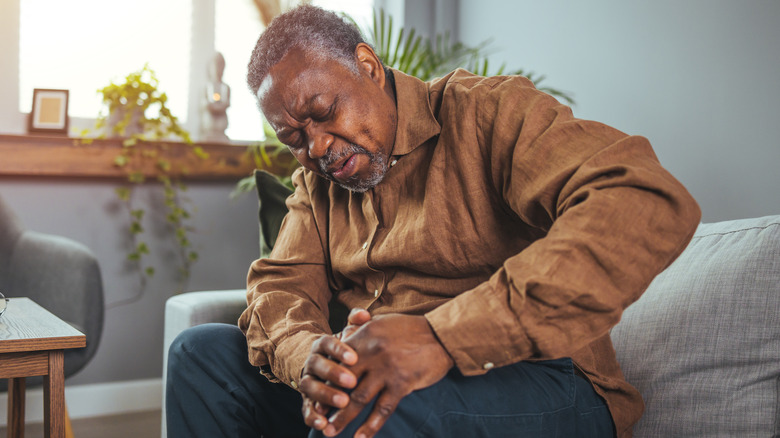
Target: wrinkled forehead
{"x":287,"y":86}
{"x":299,"y":75}
{"x":290,"y":69}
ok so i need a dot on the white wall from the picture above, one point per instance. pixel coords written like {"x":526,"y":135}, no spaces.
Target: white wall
{"x":699,"y":78}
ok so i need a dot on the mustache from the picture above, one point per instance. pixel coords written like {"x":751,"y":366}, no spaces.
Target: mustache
{"x":333,"y":157}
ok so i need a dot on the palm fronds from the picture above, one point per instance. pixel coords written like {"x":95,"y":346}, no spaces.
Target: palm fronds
{"x":426,"y":59}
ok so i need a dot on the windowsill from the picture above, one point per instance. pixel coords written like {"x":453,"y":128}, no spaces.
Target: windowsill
{"x":60,"y":156}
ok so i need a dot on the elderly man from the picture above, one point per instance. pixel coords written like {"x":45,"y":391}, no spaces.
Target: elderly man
{"x":484,"y":239}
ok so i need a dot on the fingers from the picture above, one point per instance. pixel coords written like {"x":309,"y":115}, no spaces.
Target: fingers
{"x":319,"y":395}
{"x":358,"y":317}
{"x":332,"y":347}
{"x":383,"y":409}
{"x":348,"y":331}
{"x":314,"y":414}
{"x":324,"y":369}
{"x":398,"y":354}
{"x":361,"y":396}
{"x":323,"y":379}
{"x":323,"y":393}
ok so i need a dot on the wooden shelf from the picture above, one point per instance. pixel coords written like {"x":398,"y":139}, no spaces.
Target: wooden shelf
{"x":32,"y":155}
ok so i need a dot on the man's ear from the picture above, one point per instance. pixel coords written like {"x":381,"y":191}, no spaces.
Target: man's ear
{"x":369,"y":62}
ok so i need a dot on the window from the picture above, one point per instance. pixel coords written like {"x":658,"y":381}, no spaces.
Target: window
{"x":237,"y":26}
{"x":81,"y":45}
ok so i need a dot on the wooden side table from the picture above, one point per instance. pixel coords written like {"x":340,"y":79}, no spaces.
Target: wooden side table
{"x":32,"y":343}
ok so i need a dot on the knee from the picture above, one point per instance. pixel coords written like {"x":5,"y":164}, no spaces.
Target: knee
{"x":204,"y":341}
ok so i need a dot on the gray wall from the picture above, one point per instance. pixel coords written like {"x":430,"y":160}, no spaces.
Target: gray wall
{"x":699,"y":78}
{"x":88,"y":211}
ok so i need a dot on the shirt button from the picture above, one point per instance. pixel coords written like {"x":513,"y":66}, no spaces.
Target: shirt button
{"x":392,"y":163}
{"x":294,"y":385}
{"x":376,"y":293}
{"x":365,"y":245}
{"x":488,"y":365}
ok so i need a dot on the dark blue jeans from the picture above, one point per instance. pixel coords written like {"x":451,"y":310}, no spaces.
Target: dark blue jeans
{"x":213,"y":391}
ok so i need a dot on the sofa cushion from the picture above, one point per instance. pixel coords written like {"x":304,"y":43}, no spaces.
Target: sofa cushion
{"x":702,"y":344}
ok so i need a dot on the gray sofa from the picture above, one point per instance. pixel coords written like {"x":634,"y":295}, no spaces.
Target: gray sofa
{"x":702,"y":344}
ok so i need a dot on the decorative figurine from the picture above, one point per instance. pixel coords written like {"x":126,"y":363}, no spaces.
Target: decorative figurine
{"x":217,"y":101}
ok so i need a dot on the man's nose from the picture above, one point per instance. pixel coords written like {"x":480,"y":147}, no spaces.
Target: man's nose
{"x":319,"y":142}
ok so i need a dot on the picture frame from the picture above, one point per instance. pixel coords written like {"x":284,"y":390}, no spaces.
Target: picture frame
{"x":49,"y":111}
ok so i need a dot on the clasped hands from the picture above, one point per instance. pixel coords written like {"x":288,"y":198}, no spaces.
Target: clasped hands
{"x":385,"y":357}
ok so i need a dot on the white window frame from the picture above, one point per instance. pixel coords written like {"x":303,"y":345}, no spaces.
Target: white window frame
{"x":12,"y":121}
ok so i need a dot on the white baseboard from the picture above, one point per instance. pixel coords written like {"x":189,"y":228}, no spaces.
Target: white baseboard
{"x":94,"y":400}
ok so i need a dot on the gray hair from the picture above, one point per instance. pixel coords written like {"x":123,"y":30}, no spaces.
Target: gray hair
{"x":319,"y":32}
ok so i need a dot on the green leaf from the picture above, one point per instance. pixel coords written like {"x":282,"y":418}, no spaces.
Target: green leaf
{"x":142,"y":248}
{"x":123,"y":193}
{"x":164,"y":165}
{"x":136,"y":177}
{"x":138,"y":213}
{"x":200,"y":153}
{"x":244,"y":185}
{"x":264,"y":156}
{"x":136,"y":228}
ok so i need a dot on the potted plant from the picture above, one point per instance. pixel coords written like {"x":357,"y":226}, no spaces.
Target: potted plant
{"x":136,"y":110}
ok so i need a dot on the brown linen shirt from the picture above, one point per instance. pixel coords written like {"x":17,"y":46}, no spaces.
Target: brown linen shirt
{"x":519,"y":231}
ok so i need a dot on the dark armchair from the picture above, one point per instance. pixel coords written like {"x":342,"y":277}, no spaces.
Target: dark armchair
{"x":58,"y":273}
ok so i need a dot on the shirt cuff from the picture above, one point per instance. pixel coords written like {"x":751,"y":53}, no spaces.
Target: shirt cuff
{"x":291,"y":356}
{"x":479,"y":331}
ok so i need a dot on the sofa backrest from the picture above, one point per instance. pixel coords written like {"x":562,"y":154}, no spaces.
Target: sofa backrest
{"x":702,"y":344}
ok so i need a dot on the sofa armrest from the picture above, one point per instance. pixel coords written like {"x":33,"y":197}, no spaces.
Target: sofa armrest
{"x":194,"y":308}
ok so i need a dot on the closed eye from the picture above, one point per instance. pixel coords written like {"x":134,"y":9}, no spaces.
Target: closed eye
{"x":323,"y":116}
{"x":326,"y":113}
{"x":290,"y":138}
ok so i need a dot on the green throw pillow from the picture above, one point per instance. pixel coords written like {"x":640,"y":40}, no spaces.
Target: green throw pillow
{"x":272,"y":194}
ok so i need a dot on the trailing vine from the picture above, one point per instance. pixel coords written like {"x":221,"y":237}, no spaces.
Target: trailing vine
{"x":137,"y":111}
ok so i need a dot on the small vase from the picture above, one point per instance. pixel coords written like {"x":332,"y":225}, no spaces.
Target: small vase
{"x":119,"y":124}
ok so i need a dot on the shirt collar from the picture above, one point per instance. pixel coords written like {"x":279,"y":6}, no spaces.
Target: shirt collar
{"x":416,"y":122}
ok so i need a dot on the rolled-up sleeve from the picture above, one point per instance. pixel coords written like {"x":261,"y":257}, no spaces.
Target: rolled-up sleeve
{"x":288,"y":294}
{"x":613,"y":217}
